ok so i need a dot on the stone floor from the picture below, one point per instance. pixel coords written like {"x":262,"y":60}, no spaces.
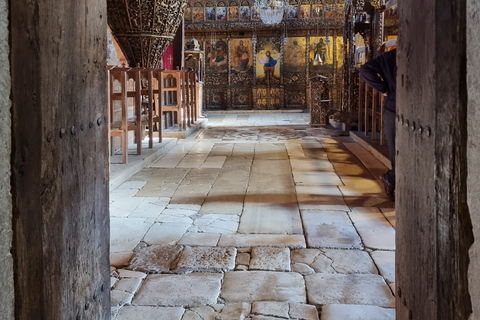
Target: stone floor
{"x":257,"y":216}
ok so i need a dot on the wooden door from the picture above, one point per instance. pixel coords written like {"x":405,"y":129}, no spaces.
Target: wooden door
{"x":60,"y":178}
{"x":433,"y":222}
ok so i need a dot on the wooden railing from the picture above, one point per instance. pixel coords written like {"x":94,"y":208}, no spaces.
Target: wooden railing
{"x":144,"y":96}
{"x":370,"y":112}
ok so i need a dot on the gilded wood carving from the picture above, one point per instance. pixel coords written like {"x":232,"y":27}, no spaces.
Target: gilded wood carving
{"x":144,"y":28}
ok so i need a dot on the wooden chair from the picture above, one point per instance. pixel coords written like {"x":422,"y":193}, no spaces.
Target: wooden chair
{"x":118,"y":128}
{"x":120,"y":125}
{"x":173,"y":95}
{"x":157,"y":111}
{"x":149,"y":80}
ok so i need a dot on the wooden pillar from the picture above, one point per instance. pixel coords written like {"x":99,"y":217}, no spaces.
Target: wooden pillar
{"x":60,"y":175}
{"x":434,"y":230}
{"x":473,"y":152}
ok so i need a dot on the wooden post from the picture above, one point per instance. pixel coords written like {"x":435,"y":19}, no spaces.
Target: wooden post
{"x":60,"y":175}
{"x":434,"y":228}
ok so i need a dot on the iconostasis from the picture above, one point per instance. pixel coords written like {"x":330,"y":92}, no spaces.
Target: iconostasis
{"x":249,"y":65}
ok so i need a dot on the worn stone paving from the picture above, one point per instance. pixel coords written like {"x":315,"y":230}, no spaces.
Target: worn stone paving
{"x":256,"y":217}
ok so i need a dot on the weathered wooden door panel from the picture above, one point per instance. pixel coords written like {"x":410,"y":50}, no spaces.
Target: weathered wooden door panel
{"x":60,"y":159}
{"x":433,"y":224}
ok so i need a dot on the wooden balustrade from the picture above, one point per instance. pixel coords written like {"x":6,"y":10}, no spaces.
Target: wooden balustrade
{"x":370,"y":111}
{"x":143,"y":102}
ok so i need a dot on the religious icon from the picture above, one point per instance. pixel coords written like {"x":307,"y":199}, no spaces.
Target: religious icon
{"x":188,"y":14}
{"x":267,"y":63}
{"x":233,"y":13}
{"x":221,"y":13}
{"x":321,"y":54}
{"x":295,"y":55}
{"x":198,"y":14}
{"x":217,"y":57}
{"x":210,"y":13}
{"x":293,"y":12}
{"x":304,"y":11}
{"x":245,"y":13}
{"x":242,"y":55}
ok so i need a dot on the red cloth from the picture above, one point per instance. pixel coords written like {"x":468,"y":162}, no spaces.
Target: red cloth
{"x":168,"y":58}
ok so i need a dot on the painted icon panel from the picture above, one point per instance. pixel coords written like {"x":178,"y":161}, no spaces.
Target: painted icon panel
{"x":198,"y":14}
{"x":216,"y":55}
{"x":268,"y":62}
{"x":321,"y":54}
{"x":233,"y":13}
{"x":210,"y":13}
{"x":294,"y":59}
{"x":241,"y":55}
{"x":221,"y":13}
{"x":245,"y":13}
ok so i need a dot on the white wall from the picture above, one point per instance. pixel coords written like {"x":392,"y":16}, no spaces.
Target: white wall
{"x":473,"y":145}
{"x":6,"y":270}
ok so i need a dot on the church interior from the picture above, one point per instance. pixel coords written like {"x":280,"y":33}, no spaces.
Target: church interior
{"x":217,"y":159}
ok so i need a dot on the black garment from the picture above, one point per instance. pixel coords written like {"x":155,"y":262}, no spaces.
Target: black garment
{"x":381,"y":74}
{"x":389,"y":122}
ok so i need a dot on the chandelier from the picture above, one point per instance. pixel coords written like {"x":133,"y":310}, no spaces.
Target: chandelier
{"x":271,"y":11}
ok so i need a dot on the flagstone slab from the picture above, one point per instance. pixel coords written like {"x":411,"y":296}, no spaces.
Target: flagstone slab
{"x":161,"y":182}
{"x":126,"y":233}
{"x":317,"y":197}
{"x":330,"y":229}
{"x":389,"y":213}
{"x":303,"y":311}
{"x":125,"y":273}
{"x":156,"y":258}
{"x":242,"y":150}
{"x":219,"y":223}
{"x":362,"y":289}
{"x":122,"y":207}
{"x":270,"y":151}
{"x":271,"y":308}
{"x":150,"y":313}
{"x":214,"y":162}
{"x":186,"y":290}
{"x":271,"y":259}
{"x":275,"y":213}
{"x":302,"y":268}
{"x":385,"y":261}
{"x":283,"y":310}
{"x":335,"y":260}
{"x":271,"y":208}
{"x":359,"y":186}
{"x":201,"y":313}
{"x":120,"y":298}
{"x":130,"y":285}
{"x":169,"y":160}
{"x":372,"y":200}
{"x":252,"y":286}
{"x":374,"y":229}
{"x":165,"y":233}
{"x":150,"y":207}
{"x":192,"y":160}
{"x":356,"y":312}
{"x":262,"y":240}
{"x":207,"y":259}
{"x":200,"y":239}
{"x":234,"y":311}
{"x":120,"y":259}
{"x":221,"y":149}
